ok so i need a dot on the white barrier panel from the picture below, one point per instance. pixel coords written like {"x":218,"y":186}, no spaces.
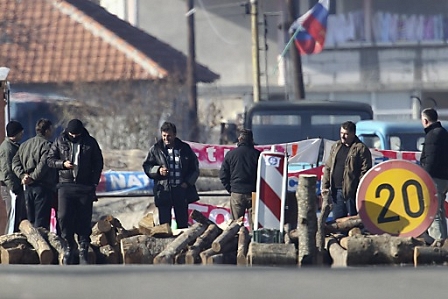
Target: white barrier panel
{"x":271,"y":191}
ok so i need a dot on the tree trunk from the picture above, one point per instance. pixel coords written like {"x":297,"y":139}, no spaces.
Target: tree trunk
{"x":307,"y":219}
{"x":231,"y":246}
{"x":99,"y":240}
{"x":227,"y":258}
{"x":337,"y":253}
{"x":109,"y":255}
{"x":124,"y":233}
{"x":206,"y":254}
{"x":199,"y":217}
{"x":37,"y":241}
{"x":19,"y":254}
{"x":179,"y":244}
{"x":179,"y":259}
{"x":102,"y":226}
{"x":57,"y":243}
{"x":381,"y":249}
{"x":142,"y":249}
{"x":243,"y":246}
{"x":162,"y":231}
{"x":202,"y":242}
{"x":269,"y":254}
{"x":14,"y":238}
{"x":343,"y":225}
{"x":113,"y":221}
{"x":320,"y":236}
{"x":228,"y":234}
{"x":146,"y":223}
{"x":425,"y":255}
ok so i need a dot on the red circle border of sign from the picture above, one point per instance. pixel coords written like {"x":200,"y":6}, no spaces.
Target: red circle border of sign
{"x":387,"y":165}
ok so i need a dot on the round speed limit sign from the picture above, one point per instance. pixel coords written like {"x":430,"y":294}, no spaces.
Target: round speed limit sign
{"x":397,"y":197}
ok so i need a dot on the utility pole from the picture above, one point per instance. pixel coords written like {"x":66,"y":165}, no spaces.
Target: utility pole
{"x":191,"y":76}
{"x":255,"y":50}
{"x":296,"y":61}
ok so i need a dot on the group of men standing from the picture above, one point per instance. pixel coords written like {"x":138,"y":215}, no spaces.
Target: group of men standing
{"x":35,"y":171}
{"x":350,"y":159}
{"x":174,"y":167}
{"x":39,"y":175}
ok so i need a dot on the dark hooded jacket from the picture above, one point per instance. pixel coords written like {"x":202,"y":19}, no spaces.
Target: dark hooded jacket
{"x":434,"y":157}
{"x":238,"y":171}
{"x":90,"y":160}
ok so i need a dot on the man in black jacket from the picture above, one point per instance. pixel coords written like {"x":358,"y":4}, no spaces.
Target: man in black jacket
{"x":434,"y":159}
{"x":238,"y":174}
{"x":174,"y":167}
{"x":79,"y":160}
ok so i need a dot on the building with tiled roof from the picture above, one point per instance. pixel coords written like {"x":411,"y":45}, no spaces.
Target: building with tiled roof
{"x":76,"y":49}
{"x":65,"y":41}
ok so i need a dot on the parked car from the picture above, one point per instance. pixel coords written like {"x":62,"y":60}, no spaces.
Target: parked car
{"x":391,"y":135}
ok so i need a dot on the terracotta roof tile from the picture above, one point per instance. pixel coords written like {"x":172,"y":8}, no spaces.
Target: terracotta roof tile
{"x":55,"y":41}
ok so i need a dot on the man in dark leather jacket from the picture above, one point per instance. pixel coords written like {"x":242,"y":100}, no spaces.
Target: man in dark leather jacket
{"x":79,"y":160}
{"x":174,"y":167}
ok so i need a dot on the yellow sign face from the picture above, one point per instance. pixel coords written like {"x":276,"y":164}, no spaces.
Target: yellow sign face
{"x":397,"y":197}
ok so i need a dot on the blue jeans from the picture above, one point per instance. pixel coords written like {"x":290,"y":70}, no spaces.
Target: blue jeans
{"x":342,"y":207}
{"x":438,"y":229}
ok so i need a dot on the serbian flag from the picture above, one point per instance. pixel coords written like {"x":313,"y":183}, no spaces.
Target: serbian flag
{"x":309,"y":30}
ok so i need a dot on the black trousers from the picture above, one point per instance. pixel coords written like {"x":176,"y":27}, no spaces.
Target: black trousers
{"x":38,"y":201}
{"x":180,"y":205}
{"x":75,"y":206}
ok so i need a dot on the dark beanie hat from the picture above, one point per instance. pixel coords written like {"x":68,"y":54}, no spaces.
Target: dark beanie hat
{"x":13,"y":128}
{"x":75,"y":126}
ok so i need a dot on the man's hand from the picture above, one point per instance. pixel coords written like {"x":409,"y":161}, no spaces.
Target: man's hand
{"x":26,"y":180}
{"x":163,"y":171}
{"x":68,"y":165}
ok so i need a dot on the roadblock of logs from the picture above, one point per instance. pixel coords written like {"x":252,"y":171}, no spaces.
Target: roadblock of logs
{"x":313,"y":242}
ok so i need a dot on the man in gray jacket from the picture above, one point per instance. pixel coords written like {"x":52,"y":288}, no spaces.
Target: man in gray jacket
{"x":39,"y":180}
{"x":11,"y":189}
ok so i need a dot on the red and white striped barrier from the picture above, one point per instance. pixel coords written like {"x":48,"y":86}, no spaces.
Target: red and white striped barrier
{"x":271,"y":191}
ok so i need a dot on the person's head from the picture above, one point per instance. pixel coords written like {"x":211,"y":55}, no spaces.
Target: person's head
{"x":246,"y":136}
{"x":168,"y":132}
{"x":429,"y":116}
{"x":14,"y":130}
{"x":348,"y":132}
{"x":74,"y":129}
{"x":44,"y":127}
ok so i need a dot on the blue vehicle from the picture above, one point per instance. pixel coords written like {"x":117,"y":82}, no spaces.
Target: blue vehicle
{"x":391,"y":135}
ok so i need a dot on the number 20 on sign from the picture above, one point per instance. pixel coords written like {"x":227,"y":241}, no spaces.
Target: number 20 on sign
{"x":397,"y":197}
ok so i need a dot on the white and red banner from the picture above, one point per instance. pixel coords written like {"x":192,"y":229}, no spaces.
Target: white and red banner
{"x":131,"y":183}
{"x":211,"y":156}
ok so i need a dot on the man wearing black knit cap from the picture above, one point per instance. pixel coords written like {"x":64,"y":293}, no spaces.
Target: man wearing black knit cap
{"x":79,"y":160}
{"x":11,"y":189}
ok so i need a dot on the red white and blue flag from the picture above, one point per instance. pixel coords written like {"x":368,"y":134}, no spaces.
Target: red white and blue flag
{"x":310,"y":29}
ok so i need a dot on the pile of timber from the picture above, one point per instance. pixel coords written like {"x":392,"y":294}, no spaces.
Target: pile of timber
{"x":315,"y":241}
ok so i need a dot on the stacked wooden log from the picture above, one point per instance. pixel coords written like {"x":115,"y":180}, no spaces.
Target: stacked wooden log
{"x":340,"y":243}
